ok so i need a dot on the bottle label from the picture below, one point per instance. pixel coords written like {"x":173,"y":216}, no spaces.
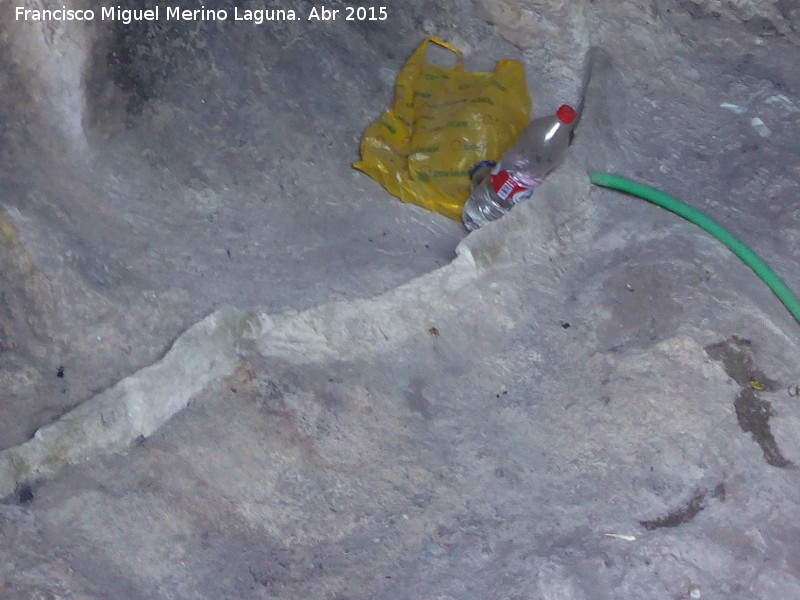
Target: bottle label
{"x":507,"y":189}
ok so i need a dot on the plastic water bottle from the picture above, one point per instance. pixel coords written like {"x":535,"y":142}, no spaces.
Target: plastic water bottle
{"x":540,"y":148}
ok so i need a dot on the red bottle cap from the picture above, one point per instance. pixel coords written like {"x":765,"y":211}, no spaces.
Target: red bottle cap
{"x":566,"y":114}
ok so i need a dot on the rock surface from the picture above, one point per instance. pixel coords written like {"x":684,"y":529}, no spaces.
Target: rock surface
{"x":589,"y":398}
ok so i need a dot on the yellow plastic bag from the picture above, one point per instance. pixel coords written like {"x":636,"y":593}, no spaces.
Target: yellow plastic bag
{"x":442,"y":121}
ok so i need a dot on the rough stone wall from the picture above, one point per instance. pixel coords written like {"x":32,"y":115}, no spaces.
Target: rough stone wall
{"x":48,"y":61}
{"x":590,"y":402}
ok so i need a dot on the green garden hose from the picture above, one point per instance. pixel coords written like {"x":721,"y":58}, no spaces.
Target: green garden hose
{"x":693,"y":215}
